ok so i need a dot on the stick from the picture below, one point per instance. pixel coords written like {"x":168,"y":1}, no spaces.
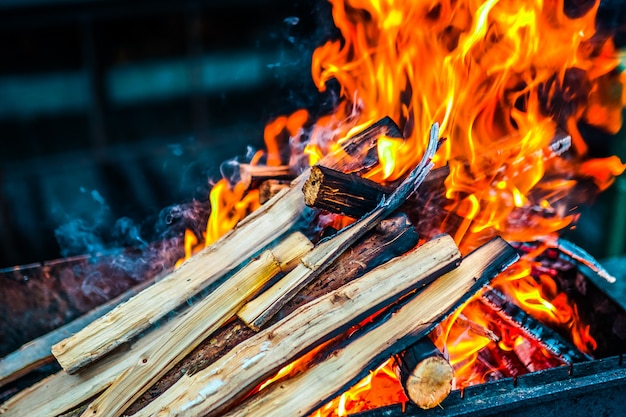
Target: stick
{"x":363,"y":148}
{"x":424,"y":373}
{"x":37,"y":352}
{"x":347,"y":363}
{"x":204,"y":318}
{"x":222,"y":384}
{"x":251,"y":234}
{"x":262,"y":309}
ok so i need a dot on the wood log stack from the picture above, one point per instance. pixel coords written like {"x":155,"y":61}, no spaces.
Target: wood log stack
{"x":269,"y":297}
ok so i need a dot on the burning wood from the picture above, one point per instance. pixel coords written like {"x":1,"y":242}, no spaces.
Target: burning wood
{"x":341,"y":193}
{"x":342,"y":365}
{"x":219,"y":386}
{"x":425,"y":374}
{"x":269,"y":188}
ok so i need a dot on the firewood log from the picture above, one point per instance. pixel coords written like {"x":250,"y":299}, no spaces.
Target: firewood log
{"x":248,"y":237}
{"x":204,"y":318}
{"x":425,"y":374}
{"x":226,"y":381}
{"x":269,"y":188}
{"x":344,"y":364}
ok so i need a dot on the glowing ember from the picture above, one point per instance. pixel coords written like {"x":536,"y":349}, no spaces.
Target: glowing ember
{"x":505,"y":78}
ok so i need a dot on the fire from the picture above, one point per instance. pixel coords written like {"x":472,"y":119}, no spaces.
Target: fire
{"x":505,"y":79}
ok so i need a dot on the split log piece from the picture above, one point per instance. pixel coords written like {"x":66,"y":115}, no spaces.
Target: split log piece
{"x":269,"y":188}
{"x":221,"y":385}
{"x":392,"y":237}
{"x":425,"y":374}
{"x":351,"y":195}
{"x":205,"y":317}
{"x":37,"y":353}
{"x":344,"y":365}
{"x":260,"y":310}
{"x":337,"y":192}
{"x":533,"y":328}
{"x":251,"y":235}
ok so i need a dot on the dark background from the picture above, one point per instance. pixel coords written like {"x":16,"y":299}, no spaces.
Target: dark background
{"x":112,"y":109}
{"x":113,"y":112}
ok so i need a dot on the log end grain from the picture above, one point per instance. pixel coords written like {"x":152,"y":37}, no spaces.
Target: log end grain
{"x":430,"y":382}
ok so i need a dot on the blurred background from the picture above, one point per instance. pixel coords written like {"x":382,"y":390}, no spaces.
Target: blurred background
{"x":113,"y":111}
{"x":116,"y":110}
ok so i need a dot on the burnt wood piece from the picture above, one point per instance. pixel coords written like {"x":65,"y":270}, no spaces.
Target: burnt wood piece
{"x":354,"y":196}
{"x":534,"y":329}
{"x":341,"y":193}
{"x":341,"y":365}
{"x":224,"y":383}
{"x":252,"y":175}
{"x":425,"y":374}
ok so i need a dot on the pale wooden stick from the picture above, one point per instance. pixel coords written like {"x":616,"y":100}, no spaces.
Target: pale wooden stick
{"x":222,"y":384}
{"x":204,"y":318}
{"x":347,"y":363}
